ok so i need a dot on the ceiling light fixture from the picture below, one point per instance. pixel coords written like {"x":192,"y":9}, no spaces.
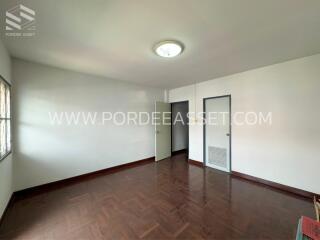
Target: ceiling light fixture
{"x":168,"y":49}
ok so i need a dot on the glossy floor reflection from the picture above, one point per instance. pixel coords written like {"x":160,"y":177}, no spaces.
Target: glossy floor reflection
{"x":164,"y":200}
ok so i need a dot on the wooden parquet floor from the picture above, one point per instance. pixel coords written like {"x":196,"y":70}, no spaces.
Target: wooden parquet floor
{"x":166,"y":200}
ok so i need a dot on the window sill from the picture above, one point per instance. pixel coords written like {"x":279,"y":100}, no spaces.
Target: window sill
{"x":5,"y":156}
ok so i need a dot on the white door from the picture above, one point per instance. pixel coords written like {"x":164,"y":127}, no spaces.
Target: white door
{"x":217,"y":133}
{"x":163,"y":130}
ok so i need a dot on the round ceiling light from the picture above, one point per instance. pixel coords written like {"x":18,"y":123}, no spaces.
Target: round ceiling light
{"x":168,"y":49}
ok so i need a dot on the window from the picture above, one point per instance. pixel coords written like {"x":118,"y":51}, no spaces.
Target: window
{"x":5,"y":119}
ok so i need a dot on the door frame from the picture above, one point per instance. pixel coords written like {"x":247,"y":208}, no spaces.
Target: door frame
{"x":186,"y":101}
{"x":230,"y":129}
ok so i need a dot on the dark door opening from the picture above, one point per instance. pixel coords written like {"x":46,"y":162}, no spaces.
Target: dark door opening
{"x":179,"y":127}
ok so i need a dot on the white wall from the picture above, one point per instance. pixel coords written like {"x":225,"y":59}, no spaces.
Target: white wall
{"x":288,"y":151}
{"x":6,"y":164}
{"x":180,"y":129}
{"x":46,"y":152}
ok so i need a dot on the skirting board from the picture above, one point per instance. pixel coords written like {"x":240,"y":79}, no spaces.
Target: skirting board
{"x":278,"y":186}
{"x":82,"y":177}
{"x":69,"y":181}
{"x":7,"y":208}
{"x":284,"y":188}
{"x":196,"y":163}
{"x":179,"y":152}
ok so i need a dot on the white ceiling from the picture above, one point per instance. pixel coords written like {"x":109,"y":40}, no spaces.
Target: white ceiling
{"x":114,"y":38}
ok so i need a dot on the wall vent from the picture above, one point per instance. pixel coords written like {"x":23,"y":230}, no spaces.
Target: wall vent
{"x":217,"y":156}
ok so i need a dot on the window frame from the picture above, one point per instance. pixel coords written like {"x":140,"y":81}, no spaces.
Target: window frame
{"x":8,"y":119}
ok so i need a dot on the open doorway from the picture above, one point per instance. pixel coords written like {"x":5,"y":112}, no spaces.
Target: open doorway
{"x":179,"y":127}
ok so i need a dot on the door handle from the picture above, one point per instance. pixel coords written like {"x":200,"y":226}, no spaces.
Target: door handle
{"x":157,"y":132}
{"x":228,"y":134}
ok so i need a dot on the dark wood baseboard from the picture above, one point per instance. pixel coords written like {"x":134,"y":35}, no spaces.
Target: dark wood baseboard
{"x":10,"y":203}
{"x":196,"y":163}
{"x":285,"y":188}
{"x":179,"y":152}
{"x":69,"y":213}
{"x":84,"y":177}
{"x":68,"y":181}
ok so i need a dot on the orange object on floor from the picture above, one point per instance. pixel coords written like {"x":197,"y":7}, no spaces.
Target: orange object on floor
{"x":311,"y":228}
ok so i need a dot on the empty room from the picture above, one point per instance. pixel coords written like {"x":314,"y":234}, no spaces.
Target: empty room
{"x":147,"y":119}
